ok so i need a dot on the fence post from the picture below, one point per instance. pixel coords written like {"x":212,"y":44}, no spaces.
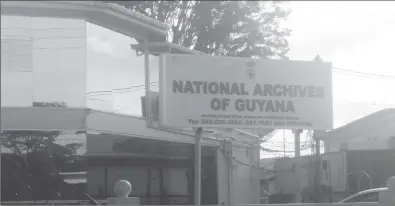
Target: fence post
{"x":122,"y":189}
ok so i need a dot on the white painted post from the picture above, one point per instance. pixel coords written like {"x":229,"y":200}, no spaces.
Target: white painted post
{"x":388,"y":198}
{"x":122,"y":189}
{"x":298,"y":167}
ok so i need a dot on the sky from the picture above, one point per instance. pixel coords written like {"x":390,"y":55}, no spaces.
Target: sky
{"x":356,"y":36}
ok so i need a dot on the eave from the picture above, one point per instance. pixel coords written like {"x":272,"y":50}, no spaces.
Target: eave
{"x":108,"y":15}
{"x":91,"y":121}
{"x":372,"y":123}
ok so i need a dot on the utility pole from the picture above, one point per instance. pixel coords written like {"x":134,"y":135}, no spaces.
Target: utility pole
{"x":317,"y":173}
{"x":298,"y":167}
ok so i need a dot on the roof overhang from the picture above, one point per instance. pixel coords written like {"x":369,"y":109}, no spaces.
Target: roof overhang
{"x":157,"y":48}
{"x":108,"y":15}
{"x":375,"y":122}
{"x":91,"y":121}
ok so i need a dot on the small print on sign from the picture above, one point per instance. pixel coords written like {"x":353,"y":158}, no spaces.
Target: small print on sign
{"x":204,"y":91}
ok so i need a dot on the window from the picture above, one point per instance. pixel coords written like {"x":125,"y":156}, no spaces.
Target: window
{"x":366,"y":197}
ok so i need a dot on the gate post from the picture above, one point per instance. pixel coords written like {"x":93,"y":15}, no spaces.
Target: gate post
{"x":122,"y":189}
{"x":389,"y":196}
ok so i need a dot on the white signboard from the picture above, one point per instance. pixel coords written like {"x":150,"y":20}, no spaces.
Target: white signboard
{"x":204,"y":91}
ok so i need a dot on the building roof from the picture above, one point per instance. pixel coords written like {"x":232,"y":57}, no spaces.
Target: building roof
{"x":108,"y":15}
{"x":374,"y":122}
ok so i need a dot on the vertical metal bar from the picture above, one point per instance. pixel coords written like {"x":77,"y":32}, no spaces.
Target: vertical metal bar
{"x":106,"y":182}
{"x":298,"y":167}
{"x":198,"y":165}
{"x":161,"y":187}
{"x":257,"y":171}
{"x":330,"y":180}
{"x":317,"y":177}
{"x":230,"y":173}
{"x":147,"y":83}
{"x":148,"y":195}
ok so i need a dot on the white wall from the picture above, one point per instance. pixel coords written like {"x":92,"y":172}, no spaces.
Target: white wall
{"x":63,"y":59}
{"x":16,"y":61}
{"x":53,"y":64}
{"x":246,"y":181}
{"x":335,"y":175}
{"x":372,"y":132}
{"x":285,"y":174}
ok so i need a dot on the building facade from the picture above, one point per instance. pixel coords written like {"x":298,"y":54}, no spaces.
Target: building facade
{"x":267,"y":179}
{"x":353,"y":160}
{"x":77,"y":67}
{"x":373,"y":132}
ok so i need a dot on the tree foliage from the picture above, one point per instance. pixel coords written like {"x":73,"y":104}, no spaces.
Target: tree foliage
{"x":224,"y":28}
{"x":25,"y":143}
{"x":36,"y":158}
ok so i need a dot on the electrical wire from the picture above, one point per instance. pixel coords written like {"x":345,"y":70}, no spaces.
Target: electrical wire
{"x":269,"y":170}
{"x":78,"y":28}
{"x":262,"y":148}
{"x":120,"y":89}
{"x":109,"y":102}
{"x":353,"y":72}
{"x":357,"y":73}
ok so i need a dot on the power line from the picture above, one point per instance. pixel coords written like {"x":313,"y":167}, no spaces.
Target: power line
{"x":120,"y":89}
{"x":357,"y":73}
{"x":262,"y":168}
{"x":76,"y":28}
{"x":109,"y":102}
{"x":265,"y":149}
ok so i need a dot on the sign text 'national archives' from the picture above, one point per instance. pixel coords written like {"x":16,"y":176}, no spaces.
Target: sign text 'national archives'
{"x":200,"y":91}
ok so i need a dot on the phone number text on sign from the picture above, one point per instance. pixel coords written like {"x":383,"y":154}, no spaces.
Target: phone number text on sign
{"x":288,"y":121}
{"x":229,"y":122}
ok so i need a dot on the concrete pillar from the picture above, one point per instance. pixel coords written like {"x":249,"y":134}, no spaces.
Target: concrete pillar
{"x":388,"y":197}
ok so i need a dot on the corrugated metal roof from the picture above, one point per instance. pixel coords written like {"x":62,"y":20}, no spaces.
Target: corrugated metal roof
{"x":374,"y":121}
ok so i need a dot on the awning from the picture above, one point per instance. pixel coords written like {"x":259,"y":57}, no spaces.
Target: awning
{"x":88,"y":120}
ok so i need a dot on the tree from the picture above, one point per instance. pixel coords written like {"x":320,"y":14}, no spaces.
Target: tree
{"x":224,"y":28}
{"x":25,"y":143}
{"x":35,"y":155}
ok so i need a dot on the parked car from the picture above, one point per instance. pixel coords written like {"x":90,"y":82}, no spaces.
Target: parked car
{"x":371,"y":195}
